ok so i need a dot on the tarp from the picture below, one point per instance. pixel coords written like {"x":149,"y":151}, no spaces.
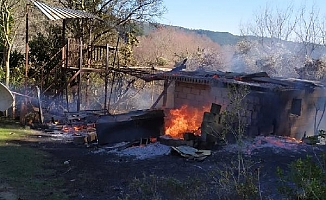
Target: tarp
{"x":6,"y":98}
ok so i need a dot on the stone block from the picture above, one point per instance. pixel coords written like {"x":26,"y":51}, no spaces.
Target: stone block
{"x":182,"y":95}
{"x":204,"y":93}
{"x":215,"y":91}
{"x":225,"y":94}
{"x":218,"y":100}
{"x":191,"y":97}
{"x":195,"y":91}
{"x":208,"y":117}
{"x":215,"y":108}
{"x":177,"y":89}
{"x":199,"y":98}
{"x":186,"y":90}
{"x":226,"y":101}
{"x":178,"y":103}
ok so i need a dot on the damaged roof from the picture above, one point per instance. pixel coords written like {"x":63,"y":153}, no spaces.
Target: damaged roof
{"x":260,"y":80}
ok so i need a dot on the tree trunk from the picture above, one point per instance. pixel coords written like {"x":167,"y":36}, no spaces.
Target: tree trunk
{"x":7,"y":66}
{"x":7,"y":59}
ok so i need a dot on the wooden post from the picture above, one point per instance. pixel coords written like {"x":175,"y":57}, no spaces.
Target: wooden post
{"x":106,"y":76}
{"x":79,"y":75}
{"x":23,"y":112}
{"x":113,"y":65}
{"x":163,"y":94}
{"x":63,"y":58}
{"x":39,"y":104}
{"x":86,"y":91}
{"x":14,"y":107}
{"x":67,"y":85}
{"x":165,"y":91}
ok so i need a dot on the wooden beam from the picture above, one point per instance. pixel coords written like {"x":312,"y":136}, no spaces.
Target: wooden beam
{"x":40,"y":105}
{"x":163,"y":94}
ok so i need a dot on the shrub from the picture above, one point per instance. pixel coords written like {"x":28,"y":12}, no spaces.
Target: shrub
{"x":306,"y":179}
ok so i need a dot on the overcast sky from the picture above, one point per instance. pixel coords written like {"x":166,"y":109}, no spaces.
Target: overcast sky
{"x":224,"y":15}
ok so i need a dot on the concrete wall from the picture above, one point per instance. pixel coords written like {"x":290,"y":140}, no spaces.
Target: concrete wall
{"x":288,"y":113}
{"x":195,"y":95}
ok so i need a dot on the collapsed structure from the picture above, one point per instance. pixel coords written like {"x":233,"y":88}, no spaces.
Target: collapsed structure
{"x":278,"y":106}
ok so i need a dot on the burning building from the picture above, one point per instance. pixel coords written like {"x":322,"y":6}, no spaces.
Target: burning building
{"x":277,"y":106}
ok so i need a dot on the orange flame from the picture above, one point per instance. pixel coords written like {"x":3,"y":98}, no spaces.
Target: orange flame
{"x":80,"y":127}
{"x":65,"y":128}
{"x":184,"y":119}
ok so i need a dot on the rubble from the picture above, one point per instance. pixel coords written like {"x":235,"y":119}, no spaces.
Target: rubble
{"x":139,"y":152}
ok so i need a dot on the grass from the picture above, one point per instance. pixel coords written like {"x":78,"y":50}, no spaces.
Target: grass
{"x":159,"y":188}
{"x":30,"y":172}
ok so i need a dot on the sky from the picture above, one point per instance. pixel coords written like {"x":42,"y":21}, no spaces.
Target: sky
{"x":224,"y":15}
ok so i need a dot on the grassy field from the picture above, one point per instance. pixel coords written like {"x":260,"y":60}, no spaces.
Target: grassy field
{"x":26,"y":172}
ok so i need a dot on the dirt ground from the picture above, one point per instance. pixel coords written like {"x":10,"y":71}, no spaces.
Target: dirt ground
{"x":90,"y":174}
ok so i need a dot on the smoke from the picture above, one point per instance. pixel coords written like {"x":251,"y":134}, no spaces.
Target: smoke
{"x":277,"y":58}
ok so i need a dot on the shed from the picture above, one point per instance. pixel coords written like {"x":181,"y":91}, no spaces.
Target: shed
{"x":278,"y":106}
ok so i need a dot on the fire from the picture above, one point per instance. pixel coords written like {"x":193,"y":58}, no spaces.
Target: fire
{"x":184,"y":119}
{"x":80,"y":127}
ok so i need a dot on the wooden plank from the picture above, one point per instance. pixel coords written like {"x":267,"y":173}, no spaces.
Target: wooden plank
{"x":273,"y":81}
{"x":164,"y":93}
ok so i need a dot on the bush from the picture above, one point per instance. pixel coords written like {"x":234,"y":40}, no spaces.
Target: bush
{"x":306,"y":179}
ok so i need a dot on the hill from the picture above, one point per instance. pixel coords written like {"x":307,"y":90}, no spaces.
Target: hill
{"x":222,"y":38}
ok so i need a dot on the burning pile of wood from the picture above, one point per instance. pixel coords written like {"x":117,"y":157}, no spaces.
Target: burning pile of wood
{"x":79,"y":125}
{"x":193,"y":127}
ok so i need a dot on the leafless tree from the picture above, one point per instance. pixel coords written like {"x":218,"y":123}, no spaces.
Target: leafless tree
{"x":286,"y":37}
{"x":309,"y":32}
{"x":272,"y":23}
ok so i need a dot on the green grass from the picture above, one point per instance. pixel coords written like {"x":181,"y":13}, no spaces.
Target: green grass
{"x":29,"y":171}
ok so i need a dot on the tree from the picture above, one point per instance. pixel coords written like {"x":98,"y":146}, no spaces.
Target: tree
{"x":118,"y":17}
{"x":308,"y":31}
{"x":165,"y":46}
{"x":8,"y":27}
{"x":286,"y":38}
{"x":45,"y":56}
{"x":272,"y":24}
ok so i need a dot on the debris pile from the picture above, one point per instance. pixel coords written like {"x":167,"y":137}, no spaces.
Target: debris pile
{"x":139,"y":152}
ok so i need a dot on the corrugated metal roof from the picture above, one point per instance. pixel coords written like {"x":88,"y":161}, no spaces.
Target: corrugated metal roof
{"x":55,"y":13}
